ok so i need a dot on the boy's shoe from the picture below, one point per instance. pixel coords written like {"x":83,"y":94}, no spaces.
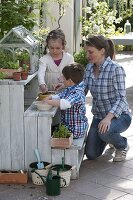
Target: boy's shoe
{"x":120,"y":155}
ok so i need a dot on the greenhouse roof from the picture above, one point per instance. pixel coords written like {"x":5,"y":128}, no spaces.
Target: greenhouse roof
{"x":18,"y":36}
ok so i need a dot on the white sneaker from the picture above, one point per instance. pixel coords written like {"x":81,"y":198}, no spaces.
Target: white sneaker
{"x":120,"y":155}
{"x":111,"y":146}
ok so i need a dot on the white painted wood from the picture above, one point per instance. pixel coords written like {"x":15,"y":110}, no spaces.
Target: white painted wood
{"x":5,"y":157}
{"x":57,"y":155}
{"x":37,"y":125}
{"x":21,"y":82}
{"x":38,"y":128}
{"x":44,"y":136}
{"x":12,"y":123}
{"x":16,"y":93}
{"x":30,"y":131}
{"x":78,"y":143}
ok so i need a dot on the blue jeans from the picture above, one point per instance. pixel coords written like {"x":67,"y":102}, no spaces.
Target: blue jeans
{"x":96,"y":142}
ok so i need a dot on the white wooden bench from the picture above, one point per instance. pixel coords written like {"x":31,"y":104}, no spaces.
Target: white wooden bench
{"x":37,"y":134}
{"x":73,"y":156}
{"x":37,"y":131}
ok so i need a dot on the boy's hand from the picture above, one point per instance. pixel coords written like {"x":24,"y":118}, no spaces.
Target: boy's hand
{"x":58,"y":86}
{"x":46,"y":99}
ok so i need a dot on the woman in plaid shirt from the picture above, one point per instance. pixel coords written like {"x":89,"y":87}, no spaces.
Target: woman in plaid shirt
{"x":106,"y":81}
{"x":72,"y":100}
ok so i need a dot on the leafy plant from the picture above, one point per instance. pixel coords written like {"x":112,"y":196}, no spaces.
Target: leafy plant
{"x":99,"y":19}
{"x":7,"y":60}
{"x":2,"y":75}
{"x":13,"y":65}
{"x":25,"y":68}
{"x":23,"y":55}
{"x":61,"y":132}
{"x":81,"y":57}
{"x":16,"y":13}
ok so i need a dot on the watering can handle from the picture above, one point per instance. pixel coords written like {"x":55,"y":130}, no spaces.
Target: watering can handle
{"x":41,"y":176}
{"x":64,"y":181}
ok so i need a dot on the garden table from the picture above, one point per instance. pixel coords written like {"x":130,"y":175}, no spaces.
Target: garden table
{"x":126,"y":39}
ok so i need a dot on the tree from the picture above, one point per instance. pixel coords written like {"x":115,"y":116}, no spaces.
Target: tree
{"x":13,"y":14}
{"x":98,"y":18}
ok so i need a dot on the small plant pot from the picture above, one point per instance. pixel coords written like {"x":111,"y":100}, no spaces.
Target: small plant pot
{"x":14,"y":177}
{"x":24,"y":75}
{"x":17,"y":76}
{"x":62,"y":142}
{"x":9,"y":72}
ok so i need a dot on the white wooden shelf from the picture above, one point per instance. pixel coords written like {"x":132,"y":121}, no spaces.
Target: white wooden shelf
{"x":12,"y":123}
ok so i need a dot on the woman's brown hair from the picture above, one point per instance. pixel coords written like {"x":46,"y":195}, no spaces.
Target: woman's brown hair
{"x":99,"y":42}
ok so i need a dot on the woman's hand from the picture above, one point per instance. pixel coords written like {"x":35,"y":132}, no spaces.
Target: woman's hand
{"x":43,"y":88}
{"x":104,"y":125}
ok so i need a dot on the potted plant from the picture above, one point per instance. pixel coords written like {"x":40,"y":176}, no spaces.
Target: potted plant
{"x":8,"y":64}
{"x":62,"y":137}
{"x":24,"y":57}
{"x":24,"y":72}
{"x":16,"y":76}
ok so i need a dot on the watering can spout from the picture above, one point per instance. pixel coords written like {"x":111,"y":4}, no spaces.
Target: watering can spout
{"x":49,"y":176}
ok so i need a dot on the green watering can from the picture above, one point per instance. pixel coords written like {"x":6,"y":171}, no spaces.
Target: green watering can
{"x":52,"y":183}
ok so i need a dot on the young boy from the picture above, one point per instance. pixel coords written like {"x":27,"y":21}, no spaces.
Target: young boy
{"x":71,"y":100}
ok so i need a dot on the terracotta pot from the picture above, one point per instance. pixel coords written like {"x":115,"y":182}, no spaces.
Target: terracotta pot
{"x":62,"y":142}
{"x":15,"y":177}
{"x":24,"y":75}
{"x":9,"y":72}
{"x":17,"y":76}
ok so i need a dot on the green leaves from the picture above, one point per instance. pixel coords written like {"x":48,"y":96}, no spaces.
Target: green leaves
{"x":5,"y":57}
{"x":13,"y":14}
{"x":61,"y":132}
{"x":81,"y":57}
{"x":2,"y":75}
{"x":13,"y":65}
{"x":25,"y":67}
{"x":98,"y":14}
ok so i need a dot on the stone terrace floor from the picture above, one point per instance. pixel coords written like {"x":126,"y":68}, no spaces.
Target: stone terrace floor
{"x":100,"y":179}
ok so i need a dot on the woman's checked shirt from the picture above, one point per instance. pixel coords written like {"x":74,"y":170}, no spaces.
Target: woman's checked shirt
{"x":108,"y":90}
